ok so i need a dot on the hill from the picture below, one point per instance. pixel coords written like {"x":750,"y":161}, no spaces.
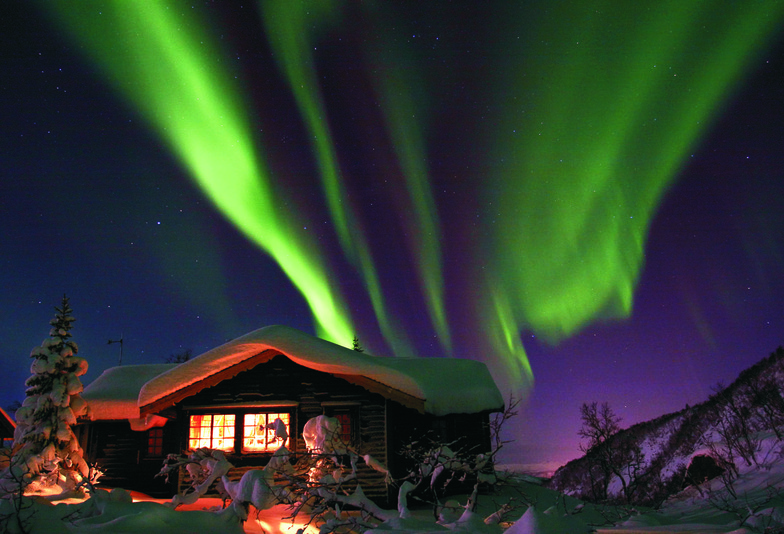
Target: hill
{"x":737,"y":428}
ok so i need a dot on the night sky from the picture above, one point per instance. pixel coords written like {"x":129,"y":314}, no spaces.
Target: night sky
{"x":587,"y":196}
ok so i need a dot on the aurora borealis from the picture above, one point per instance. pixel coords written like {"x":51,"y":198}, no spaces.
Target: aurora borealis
{"x":476,"y":180}
{"x":595,"y":156}
{"x":190,"y":99}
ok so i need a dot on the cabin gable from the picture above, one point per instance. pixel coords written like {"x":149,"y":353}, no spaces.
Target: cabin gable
{"x":209,"y":381}
{"x":280,"y":385}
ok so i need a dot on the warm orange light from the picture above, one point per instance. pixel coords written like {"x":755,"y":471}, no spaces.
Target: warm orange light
{"x":267,"y":522}
{"x":212,"y":431}
{"x":257,"y":437}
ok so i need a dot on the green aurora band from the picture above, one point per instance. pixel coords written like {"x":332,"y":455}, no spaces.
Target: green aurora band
{"x":594,"y":108}
{"x":288,"y":27}
{"x":601,"y":103}
{"x":164,"y":63}
{"x":405,"y":114}
{"x":292,"y":29}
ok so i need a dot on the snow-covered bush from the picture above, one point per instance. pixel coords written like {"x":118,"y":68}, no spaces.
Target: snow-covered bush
{"x":331,"y":484}
{"x":46,"y":451}
{"x":204,"y":466}
{"x":323,"y":486}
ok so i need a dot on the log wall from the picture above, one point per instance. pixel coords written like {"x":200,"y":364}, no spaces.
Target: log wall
{"x":315,"y":393}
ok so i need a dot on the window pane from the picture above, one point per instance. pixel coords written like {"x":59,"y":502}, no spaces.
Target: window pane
{"x":212,"y":431}
{"x":155,"y":442}
{"x":257,"y":437}
{"x":345,"y":427}
{"x":195,"y":434}
{"x":252,"y":433}
{"x":223,"y":432}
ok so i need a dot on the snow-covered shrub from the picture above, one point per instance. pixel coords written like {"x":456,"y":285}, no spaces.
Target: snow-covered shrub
{"x":46,"y":449}
{"x":323,"y":485}
{"x":204,"y":466}
{"x":323,"y":481}
{"x":322,"y":434}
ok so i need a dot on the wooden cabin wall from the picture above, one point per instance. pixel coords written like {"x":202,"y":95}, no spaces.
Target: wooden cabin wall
{"x":315,"y":393}
{"x":121,"y":453}
{"x":463,"y":432}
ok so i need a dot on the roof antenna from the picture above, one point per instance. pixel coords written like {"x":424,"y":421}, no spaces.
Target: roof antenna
{"x":120,"y":341}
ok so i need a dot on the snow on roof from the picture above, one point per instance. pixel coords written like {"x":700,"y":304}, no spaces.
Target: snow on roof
{"x":446,"y":385}
{"x":115,"y":393}
{"x":6,"y":424}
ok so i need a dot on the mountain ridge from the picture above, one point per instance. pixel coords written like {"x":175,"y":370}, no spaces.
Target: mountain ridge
{"x":656,"y":457}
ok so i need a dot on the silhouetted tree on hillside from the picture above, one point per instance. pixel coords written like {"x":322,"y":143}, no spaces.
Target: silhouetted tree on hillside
{"x":609,"y":453}
{"x":599,"y":424}
{"x":764,"y":394}
{"x":734,"y":422}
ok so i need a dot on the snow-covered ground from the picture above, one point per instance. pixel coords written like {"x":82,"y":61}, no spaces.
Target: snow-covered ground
{"x":757,"y":507}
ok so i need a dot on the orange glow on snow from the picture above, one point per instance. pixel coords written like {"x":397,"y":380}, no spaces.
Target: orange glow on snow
{"x":269,"y":521}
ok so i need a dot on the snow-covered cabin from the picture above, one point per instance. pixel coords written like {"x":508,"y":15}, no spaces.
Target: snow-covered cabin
{"x":224,"y":398}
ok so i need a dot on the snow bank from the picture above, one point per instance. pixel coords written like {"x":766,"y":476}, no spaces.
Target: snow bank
{"x":114,"y":512}
{"x":445,"y":385}
{"x":535,"y":522}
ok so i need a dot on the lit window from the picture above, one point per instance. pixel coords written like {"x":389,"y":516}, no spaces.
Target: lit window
{"x":155,"y":442}
{"x":345,"y":427}
{"x":258,"y":434}
{"x":212,"y":431}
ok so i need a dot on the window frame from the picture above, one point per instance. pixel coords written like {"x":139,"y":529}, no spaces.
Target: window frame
{"x":352,"y":410}
{"x":154,"y":438}
{"x":243,"y":426}
{"x":212,"y":428}
{"x":239,"y":413}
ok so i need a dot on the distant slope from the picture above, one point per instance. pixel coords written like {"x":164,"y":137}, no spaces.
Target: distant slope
{"x":655,"y":458}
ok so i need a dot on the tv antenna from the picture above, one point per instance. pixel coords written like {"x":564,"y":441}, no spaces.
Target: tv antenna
{"x":120,"y":341}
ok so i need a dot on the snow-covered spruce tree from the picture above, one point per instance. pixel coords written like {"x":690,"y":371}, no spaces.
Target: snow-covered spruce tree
{"x":46,"y":448}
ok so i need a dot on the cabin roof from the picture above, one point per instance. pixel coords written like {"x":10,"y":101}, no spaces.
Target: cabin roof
{"x":115,"y":393}
{"x":441,"y":385}
{"x":7,"y":425}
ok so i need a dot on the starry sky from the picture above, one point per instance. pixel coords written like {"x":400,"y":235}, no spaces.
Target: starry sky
{"x":586,"y":196}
